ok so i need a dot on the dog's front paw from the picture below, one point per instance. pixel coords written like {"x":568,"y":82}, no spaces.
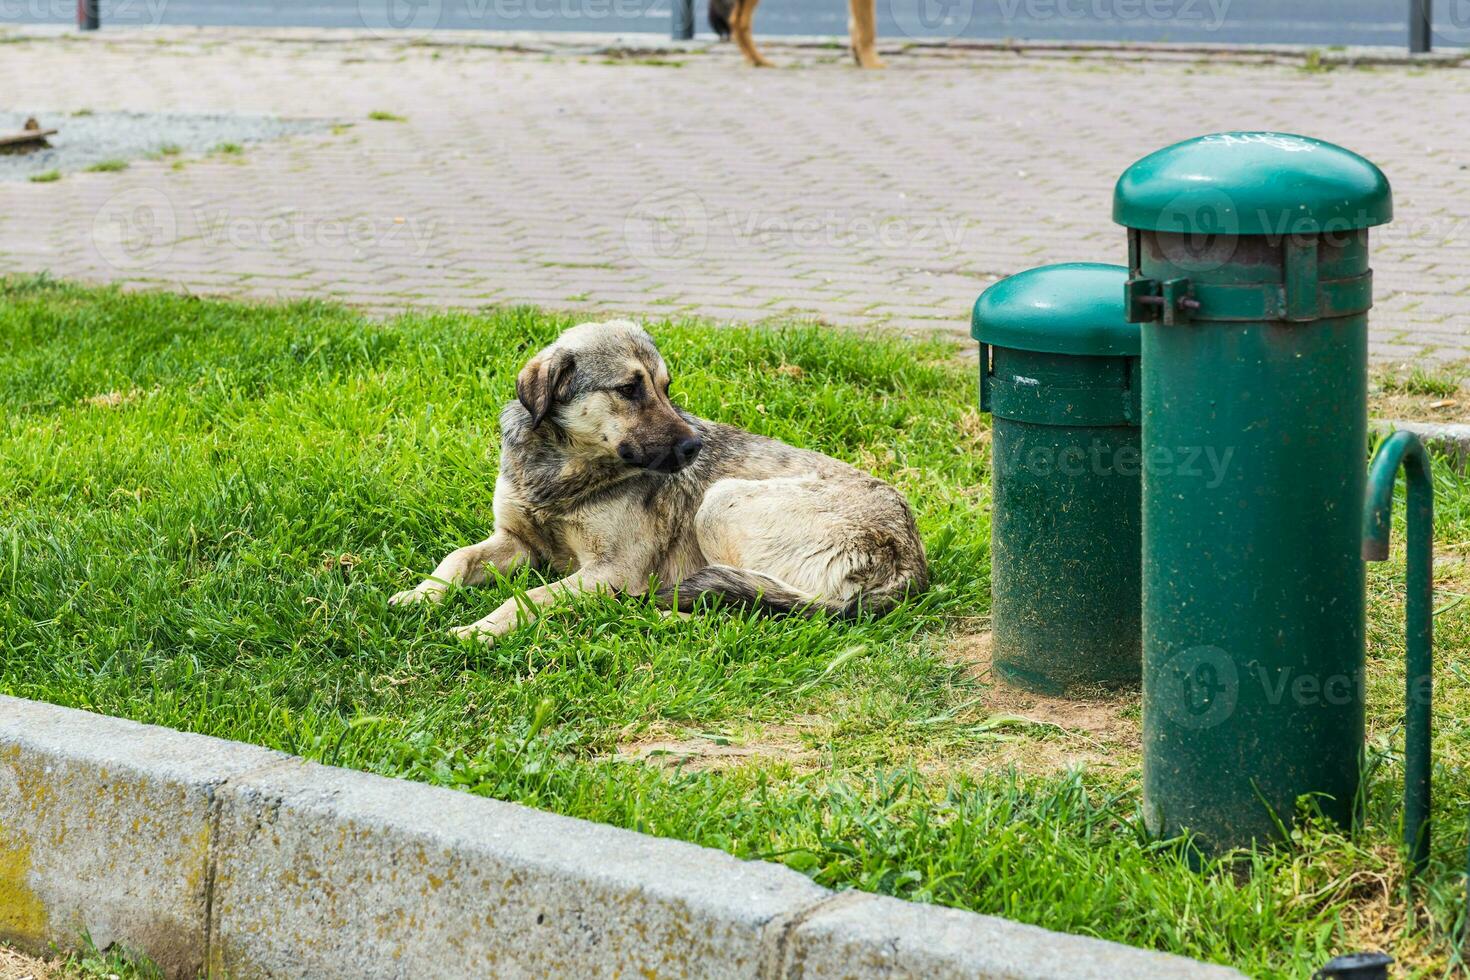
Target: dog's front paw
{"x":474,"y":631}
{"x":409,"y":597}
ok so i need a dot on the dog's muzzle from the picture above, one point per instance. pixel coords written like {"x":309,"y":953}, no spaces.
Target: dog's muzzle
{"x":667,"y":459}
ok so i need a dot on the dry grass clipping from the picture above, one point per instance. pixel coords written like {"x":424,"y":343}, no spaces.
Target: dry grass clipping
{"x":17,"y":966}
{"x":678,"y":749}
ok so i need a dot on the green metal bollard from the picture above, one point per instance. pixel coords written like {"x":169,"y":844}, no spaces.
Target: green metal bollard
{"x":1248,"y":256}
{"x":1059,"y":374}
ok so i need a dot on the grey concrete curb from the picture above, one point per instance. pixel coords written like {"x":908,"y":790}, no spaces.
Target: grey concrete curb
{"x":1450,"y":440}
{"x":580,"y":43}
{"x":213,"y":856}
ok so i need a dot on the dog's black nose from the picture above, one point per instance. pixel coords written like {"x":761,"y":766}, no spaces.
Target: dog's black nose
{"x":687,"y":449}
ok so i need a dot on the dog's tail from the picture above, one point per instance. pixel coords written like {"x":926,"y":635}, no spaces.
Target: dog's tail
{"x":754,"y":590}
{"x":719,"y":17}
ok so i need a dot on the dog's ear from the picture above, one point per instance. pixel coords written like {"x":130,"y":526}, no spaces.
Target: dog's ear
{"x":542,"y":381}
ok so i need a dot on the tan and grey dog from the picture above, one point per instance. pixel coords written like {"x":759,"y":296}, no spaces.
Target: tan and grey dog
{"x":608,"y":482}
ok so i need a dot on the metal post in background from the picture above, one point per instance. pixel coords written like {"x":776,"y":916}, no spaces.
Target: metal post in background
{"x":89,"y":14}
{"x":683,"y":19}
{"x":1421,"y":23}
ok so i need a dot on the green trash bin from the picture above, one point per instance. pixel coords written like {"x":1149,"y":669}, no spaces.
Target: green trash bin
{"x":1248,"y":257}
{"x":1059,"y":375}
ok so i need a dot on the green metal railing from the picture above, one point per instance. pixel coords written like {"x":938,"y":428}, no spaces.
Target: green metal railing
{"x":1404,"y":449}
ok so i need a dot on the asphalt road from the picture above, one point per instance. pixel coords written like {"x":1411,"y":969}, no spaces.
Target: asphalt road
{"x":1324,"y":22}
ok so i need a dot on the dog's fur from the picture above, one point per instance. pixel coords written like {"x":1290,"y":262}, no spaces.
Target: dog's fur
{"x":605,"y":480}
{"x":733,"y":19}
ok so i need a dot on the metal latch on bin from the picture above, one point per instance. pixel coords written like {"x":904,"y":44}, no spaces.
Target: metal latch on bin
{"x":1170,"y":301}
{"x":1301,"y":298}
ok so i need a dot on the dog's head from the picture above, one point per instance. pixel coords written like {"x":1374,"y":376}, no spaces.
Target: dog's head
{"x":605,"y":387}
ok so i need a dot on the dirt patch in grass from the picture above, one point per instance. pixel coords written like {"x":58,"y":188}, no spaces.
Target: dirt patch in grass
{"x":1101,"y":730}
{"x":1419,"y":395}
{"x":18,"y":966}
{"x":1421,"y":408}
{"x":716,"y":753}
{"x":1368,"y":887}
{"x":1451,"y":576}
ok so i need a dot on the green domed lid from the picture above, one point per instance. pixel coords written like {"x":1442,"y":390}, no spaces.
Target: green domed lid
{"x":1252,"y":184}
{"x":1075,"y":308}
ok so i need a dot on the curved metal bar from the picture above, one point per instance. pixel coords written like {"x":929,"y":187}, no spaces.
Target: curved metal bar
{"x":1405,"y":449}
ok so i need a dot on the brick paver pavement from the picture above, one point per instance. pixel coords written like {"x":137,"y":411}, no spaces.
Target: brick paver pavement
{"x":817,"y":190}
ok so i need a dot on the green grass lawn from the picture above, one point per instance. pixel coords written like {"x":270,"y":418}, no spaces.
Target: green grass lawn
{"x":205,"y":505}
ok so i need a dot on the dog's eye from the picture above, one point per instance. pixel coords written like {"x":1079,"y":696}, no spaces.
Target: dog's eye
{"x":632,"y":390}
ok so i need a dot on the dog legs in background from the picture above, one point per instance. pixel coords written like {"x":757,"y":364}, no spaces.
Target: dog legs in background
{"x":734,"y":19}
{"x":741,"y":19}
{"x":719,"y":17}
{"x":864,"y":30}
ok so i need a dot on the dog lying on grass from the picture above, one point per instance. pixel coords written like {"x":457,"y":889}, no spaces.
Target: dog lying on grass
{"x":608,"y":482}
